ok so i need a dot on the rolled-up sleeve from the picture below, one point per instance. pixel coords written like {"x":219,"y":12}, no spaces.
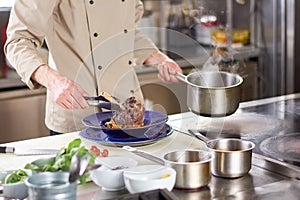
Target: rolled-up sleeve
{"x":26,"y":31}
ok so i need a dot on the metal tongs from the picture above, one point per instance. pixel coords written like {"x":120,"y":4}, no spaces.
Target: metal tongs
{"x":102,"y":102}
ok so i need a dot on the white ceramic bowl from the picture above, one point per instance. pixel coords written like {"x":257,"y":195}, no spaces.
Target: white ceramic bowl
{"x":14,"y":190}
{"x":112,"y":179}
{"x":149,"y":177}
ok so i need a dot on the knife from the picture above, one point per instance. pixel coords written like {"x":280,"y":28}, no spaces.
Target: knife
{"x":17,"y":151}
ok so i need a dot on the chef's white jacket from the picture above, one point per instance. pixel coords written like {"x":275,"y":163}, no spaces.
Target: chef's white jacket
{"x":93,"y":42}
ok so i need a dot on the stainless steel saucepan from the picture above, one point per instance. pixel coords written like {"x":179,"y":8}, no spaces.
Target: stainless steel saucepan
{"x":212,"y":93}
{"x":232,"y":157}
{"x":192,"y":166}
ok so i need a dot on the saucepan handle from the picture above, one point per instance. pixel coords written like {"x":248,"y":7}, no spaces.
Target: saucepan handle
{"x":181,"y":77}
{"x":199,"y":135}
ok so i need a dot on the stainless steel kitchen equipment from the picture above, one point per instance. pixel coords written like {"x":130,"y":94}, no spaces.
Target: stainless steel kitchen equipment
{"x":272,"y":124}
{"x":213,"y":93}
{"x":272,"y":33}
{"x":232,"y":156}
{"x":192,"y":166}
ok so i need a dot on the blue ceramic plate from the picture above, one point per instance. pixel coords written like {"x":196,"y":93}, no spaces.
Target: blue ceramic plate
{"x":97,"y":135}
{"x":153,"y":123}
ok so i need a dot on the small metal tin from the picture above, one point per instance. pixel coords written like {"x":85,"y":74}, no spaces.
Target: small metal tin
{"x":51,"y":186}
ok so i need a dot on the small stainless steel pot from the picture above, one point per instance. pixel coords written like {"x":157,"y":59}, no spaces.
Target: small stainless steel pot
{"x":192,"y":166}
{"x":213,"y":93}
{"x":232,"y":157}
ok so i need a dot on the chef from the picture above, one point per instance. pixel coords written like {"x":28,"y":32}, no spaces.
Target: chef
{"x":93,"y":46}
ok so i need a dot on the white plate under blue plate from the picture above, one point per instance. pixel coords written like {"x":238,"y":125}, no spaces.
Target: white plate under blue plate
{"x":97,"y":135}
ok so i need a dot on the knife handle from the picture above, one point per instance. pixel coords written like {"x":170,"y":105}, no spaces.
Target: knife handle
{"x":7,"y":149}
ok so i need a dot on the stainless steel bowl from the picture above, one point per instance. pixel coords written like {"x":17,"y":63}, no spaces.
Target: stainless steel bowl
{"x":192,"y":167}
{"x":232,"y":157}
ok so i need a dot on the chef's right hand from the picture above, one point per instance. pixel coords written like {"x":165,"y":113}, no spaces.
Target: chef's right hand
{"x":66,"y":92}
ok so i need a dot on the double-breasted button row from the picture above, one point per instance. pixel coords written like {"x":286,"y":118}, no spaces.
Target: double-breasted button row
{"x":96,"y":34}
{"x":92,"y":2}
{"x":100,"y":67}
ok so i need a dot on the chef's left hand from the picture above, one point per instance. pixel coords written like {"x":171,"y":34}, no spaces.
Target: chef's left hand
{"x":167,"y":68}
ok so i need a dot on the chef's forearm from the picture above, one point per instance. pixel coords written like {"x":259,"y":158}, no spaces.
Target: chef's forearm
{"x":44,"y":76}
{"x":157,"y":58}
{"x":167,"y":68}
